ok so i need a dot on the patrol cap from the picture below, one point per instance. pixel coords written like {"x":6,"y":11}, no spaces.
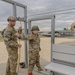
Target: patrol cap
{"x":35,"y":28}
{"x":11,"y":18}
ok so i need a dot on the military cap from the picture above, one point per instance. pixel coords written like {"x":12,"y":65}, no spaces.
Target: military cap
{"x":35,"y":28}
{"x":11,"y":18}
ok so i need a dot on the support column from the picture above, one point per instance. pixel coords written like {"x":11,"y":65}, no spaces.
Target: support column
{"x":29,"y":27}
{"x":52,"y":34}
{"x":14,"y":10}
{"x":25,"y":32}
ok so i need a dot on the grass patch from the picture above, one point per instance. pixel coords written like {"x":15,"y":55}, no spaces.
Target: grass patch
{"x":1,"y":38}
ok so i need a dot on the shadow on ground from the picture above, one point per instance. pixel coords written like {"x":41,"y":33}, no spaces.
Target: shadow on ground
{"x":25,"y":70}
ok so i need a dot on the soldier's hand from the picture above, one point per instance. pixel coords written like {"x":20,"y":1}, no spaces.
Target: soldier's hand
{"x":20,"y":30}
{"x":17,"y":34}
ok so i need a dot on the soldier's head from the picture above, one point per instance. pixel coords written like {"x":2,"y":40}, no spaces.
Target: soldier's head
{"x":11,"y":20}
{"x":35,"y":29}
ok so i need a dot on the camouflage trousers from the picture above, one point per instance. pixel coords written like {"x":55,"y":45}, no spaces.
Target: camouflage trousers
{"x":12,"y":61}
{"x":34,"y":59}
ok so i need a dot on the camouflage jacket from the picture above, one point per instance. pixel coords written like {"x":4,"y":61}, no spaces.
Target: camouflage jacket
{"x":9,"y":37}
{"x":34,"y":41}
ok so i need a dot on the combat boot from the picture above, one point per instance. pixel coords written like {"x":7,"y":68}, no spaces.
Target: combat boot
{"x":30,"y":74}
{"x":40,"y":69}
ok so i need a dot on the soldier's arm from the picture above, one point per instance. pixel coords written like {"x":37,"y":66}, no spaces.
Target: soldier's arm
{"x":8,"y":38}
{"x":25,"y":37}
{"x":40,"y":48}
{"x":7,"y":35}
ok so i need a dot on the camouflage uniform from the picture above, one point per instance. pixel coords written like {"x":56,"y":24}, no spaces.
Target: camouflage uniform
{"x":34,"y":48}
{"x":12,"y":48}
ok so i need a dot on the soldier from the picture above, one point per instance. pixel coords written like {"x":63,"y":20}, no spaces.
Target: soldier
{"x":34,"y":49}
{"x":12,"y":45}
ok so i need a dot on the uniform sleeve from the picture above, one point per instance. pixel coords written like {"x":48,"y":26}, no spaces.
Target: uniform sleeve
{"x":7,"y":35}
{"x":9,"y":38}
{"x":26,"y":37}
{"x":39,"y":48}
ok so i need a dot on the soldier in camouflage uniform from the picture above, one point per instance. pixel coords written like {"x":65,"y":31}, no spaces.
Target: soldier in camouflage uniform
{"x":11,"y":43}
{"x":34,"y":49}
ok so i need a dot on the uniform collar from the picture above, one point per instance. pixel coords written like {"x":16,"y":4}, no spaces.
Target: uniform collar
{"x":35,"y":35}
{"x":10,"y":26}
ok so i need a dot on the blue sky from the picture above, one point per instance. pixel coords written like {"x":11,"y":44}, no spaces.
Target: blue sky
{"x":37,"y":7}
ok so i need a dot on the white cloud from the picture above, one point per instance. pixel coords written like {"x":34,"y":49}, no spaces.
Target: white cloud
{"x":67,"y":21}
{"x":45,"y":29}
{"x":3,"y":22}
{"x":35,"y":8}
{"x":39,"y":6}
